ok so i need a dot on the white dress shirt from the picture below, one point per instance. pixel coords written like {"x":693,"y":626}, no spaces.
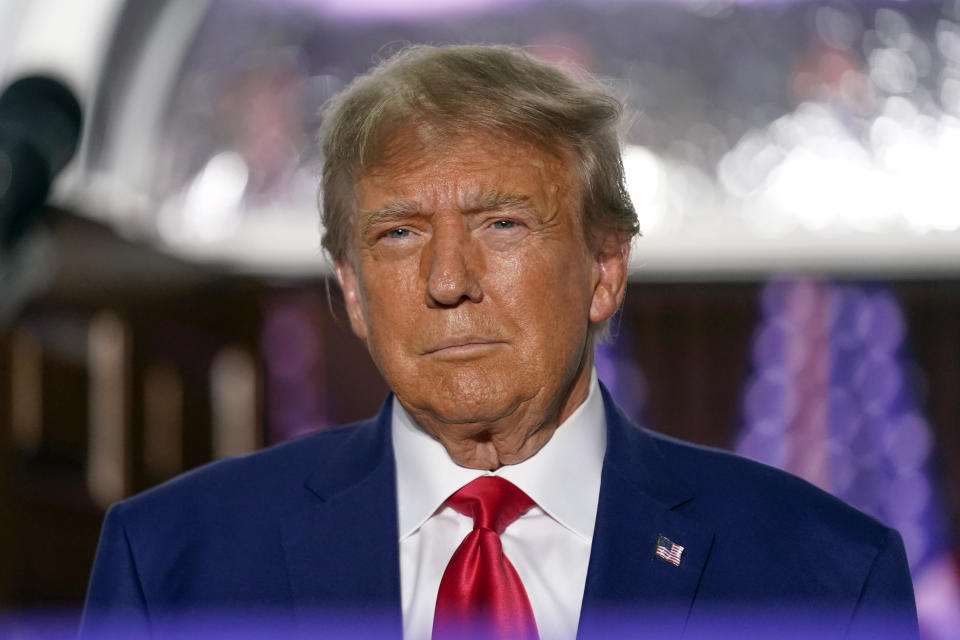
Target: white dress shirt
{"x":549,"y":545}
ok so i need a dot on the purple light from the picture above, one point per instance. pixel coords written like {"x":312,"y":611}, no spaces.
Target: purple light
{"x":405,"y":10}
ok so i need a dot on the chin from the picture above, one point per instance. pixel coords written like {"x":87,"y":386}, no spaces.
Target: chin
{"x":469,"y":395}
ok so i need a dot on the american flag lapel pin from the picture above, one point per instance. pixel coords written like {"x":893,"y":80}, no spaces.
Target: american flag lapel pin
{"x":668,"y":550}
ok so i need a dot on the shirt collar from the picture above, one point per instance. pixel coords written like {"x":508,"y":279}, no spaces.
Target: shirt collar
{"x":563,"y":477}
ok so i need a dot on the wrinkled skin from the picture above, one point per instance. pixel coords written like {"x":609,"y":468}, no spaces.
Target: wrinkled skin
{"x":471,"y":283}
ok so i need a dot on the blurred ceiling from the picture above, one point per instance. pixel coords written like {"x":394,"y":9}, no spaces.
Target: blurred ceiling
{"x":760,"y":136}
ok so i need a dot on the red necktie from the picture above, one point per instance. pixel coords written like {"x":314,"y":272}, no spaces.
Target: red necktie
{"x":481,"y":594}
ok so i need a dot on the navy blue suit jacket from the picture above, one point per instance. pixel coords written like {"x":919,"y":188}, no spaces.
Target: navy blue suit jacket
{"x":309,"y":528}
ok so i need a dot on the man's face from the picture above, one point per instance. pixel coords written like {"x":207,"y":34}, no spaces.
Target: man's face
{"x":472,"y":284}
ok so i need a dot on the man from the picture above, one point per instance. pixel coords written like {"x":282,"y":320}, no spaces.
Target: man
{"x":475,"y":213}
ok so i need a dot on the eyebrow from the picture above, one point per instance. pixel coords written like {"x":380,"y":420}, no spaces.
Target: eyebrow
{"x":493,"y":200}
{"x":388,"y":213}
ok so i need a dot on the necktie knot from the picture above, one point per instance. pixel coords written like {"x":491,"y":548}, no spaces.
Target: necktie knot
{"x":491,"y":501}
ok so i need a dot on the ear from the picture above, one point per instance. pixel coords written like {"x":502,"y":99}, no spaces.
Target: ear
{"x":611,"y":280}
{"x":352,"y":296}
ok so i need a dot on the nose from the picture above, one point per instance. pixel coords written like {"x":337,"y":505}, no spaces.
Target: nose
{"x":451,"y":266}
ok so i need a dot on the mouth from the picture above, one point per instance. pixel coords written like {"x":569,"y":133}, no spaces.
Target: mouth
{"x":462,"y":346}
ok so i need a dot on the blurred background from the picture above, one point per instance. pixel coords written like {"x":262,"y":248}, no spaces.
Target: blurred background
{"x":795,"y":295}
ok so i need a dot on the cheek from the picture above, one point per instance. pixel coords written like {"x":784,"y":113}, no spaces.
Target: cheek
{"x":385,"y":302}
{"x":392,"y":304}
{"x":546,"y":289}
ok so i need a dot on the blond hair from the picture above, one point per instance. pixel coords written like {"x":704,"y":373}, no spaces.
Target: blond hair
{"x":498,"y":89}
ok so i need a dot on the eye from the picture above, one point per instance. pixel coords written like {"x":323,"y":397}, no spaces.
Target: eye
{"x":397,"y":234}
{"x":504,"y":224}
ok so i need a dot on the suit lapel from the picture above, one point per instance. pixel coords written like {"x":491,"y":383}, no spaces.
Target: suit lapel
{"x":341,"y":544}
{"x":628,"y":587}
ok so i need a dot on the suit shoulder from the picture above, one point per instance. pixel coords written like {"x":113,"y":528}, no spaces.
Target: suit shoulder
{"x":777,"y":537}
{"x":764,"y":496}
{"x":255,"y":481}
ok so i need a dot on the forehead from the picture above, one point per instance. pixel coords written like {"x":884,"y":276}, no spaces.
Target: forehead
{"x":457,"y":169}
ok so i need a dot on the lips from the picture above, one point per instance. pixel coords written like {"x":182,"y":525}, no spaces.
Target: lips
{"x":461,"y":344}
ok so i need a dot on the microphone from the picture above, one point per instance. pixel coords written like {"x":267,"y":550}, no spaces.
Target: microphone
{"x":40,"y":122}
